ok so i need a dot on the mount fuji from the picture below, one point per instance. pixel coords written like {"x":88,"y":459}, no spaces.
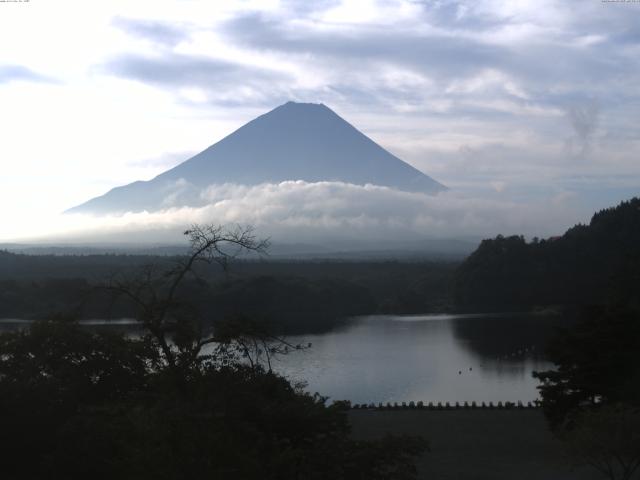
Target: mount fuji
{"x":295,"y":141}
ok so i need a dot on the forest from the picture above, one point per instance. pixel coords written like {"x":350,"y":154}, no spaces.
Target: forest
{"x":292,"y":296}
{"x":587,"y":265}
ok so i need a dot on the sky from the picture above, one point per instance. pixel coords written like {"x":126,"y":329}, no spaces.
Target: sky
{"x":527,"y":110}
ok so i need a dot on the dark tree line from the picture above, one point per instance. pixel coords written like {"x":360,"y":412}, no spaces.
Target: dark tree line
{"x":292,"y":296}
{"x":586,"y":265}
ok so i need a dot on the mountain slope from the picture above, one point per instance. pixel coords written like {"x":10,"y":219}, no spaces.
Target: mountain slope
{"x":296,"y":141}
{"x":589,"y":264}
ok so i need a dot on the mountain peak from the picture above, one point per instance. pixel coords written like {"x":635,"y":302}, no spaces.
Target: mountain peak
{"x":300,"y":108}
{"x":291,"y":103}
{"x":294,"y":141}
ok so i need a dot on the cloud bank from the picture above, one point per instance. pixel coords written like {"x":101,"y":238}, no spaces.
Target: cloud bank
{"x":326,"y":212}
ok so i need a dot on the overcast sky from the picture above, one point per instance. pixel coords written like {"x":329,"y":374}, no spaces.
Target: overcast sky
{"x":532,"y":103}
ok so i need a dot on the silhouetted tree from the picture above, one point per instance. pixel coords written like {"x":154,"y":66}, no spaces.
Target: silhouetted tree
{"x":607,"y":439}
{"x":77,"y":404}
{"x":64,"y":394}
{"x":597,"y":363}
{"x":173,"y":323}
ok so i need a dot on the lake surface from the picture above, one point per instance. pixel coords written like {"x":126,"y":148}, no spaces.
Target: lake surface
{"x":429,"y":358}
{"x":447,"y":358}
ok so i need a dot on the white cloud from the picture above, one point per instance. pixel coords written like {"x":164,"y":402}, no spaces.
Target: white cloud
{"x":323,"y":211}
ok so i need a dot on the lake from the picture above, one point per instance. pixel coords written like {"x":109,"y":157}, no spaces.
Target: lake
{"x":433,"y":358}
{"x":402,"y":358}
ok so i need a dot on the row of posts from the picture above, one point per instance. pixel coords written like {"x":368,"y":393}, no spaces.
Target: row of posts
{"x":446,"y":406}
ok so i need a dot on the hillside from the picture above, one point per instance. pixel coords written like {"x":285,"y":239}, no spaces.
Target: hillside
{"x":589,"y":264}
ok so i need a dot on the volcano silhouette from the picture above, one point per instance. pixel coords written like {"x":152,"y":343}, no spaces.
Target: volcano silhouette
{"x":295,"y":141}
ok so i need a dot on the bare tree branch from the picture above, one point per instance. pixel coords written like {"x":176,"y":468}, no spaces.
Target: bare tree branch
{"x":175,"y":327}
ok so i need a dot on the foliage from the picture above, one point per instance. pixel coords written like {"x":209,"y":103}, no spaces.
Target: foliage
{"x":586,"y":265}
{"x":76,"y":403}
{"x":592,"y":397}
{"x":607,"y":439}
{"x":241,"y":338}
{"x":597,"y":362}
{"x":57,"y":374}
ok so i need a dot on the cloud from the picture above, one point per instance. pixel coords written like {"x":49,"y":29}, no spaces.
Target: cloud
{"x":177,"y":70}
{"x":163,"y":33}
{"x":322,"y":212}
{"x":498,"y":186}
{"x":305,"y":8}
{"x":198,"y":79}
{"x":14,"y":73}
{"x":459,"y":48}
{"x":584,"y":121}
{"x":434,"y":53}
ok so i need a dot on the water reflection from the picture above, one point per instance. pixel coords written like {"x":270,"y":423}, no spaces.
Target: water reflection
{"x":433,"y":358}
{"x":505,"y":336}
{"x":428,"y":357}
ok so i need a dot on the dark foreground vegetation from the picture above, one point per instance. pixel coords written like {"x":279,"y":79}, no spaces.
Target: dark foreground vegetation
{"x":76,"y":404}
{"x":592,"y":398}
{"x":80,"y":405}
